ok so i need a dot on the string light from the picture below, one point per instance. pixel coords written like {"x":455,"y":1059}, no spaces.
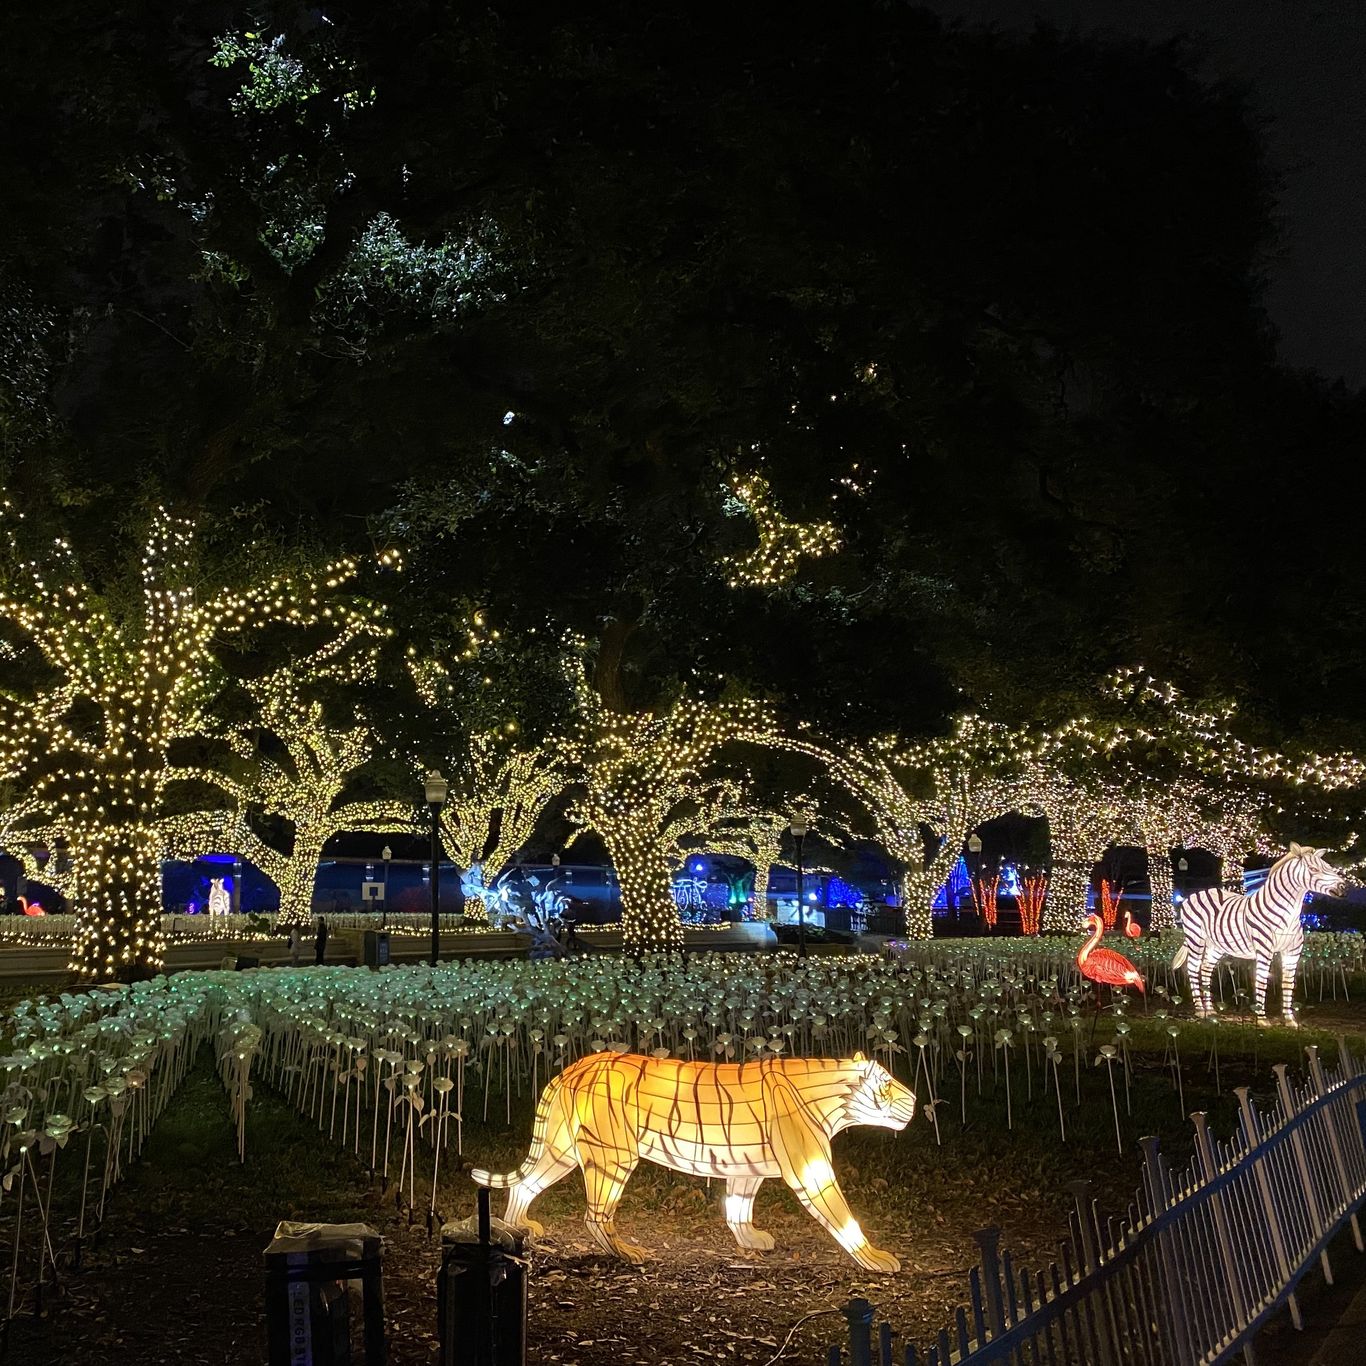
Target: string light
{"x":783,"y":544}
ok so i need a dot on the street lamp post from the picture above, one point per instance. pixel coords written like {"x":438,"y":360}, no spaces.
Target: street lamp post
{"x":974,"y":869}
{"x":386,"y":854}
{"x":974,"y":874}
{"x":436,"y":787}
{"x":798,"y":828}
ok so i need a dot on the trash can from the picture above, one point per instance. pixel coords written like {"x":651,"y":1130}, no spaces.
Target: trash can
{"x":481,"y":1292}
{"x":376,"y":948}
{"x":324,"y":1302}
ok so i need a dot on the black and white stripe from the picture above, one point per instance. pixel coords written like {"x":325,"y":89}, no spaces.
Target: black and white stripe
{"x":1220,"y":924}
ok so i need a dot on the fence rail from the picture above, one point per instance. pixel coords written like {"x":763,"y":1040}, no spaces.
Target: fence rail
{"x":1203,"y":1258}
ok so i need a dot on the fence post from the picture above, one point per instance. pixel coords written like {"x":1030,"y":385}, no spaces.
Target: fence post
{"x":1252,"y":1137}
{"x":1349,"y":1065}
{"x":1105,"y":1332}
{"x":1344,"y":1183}
{"x":1174,"y":1286}
{"x":1205,"y":1148}
{"x":859,"y":1314}
{"x":987,"y":1241}
{"x":1311,"y":1198}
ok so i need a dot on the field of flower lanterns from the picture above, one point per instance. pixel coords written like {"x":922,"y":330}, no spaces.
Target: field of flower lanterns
{"x":369,"y":1094}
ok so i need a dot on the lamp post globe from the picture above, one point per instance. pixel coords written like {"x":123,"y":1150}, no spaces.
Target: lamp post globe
{"x":798,"y":827}
{"x":435,"y":789}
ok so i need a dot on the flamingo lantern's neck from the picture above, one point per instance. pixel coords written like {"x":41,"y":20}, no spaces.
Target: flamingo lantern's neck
{"x":1097,"y":931}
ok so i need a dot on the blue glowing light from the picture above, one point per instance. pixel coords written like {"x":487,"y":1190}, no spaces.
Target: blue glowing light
{"x":840,"y":894}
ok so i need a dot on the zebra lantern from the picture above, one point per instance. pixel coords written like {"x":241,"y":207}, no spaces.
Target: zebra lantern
{"x":1220,"y":924}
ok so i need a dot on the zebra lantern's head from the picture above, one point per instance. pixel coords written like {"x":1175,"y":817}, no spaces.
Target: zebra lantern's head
{"x":1322,"y":876}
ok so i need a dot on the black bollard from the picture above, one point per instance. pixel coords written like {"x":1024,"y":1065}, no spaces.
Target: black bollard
{"x":481,"y":1292}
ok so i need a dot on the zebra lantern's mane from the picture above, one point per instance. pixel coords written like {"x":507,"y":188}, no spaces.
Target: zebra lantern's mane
{"x":1285,"y":886}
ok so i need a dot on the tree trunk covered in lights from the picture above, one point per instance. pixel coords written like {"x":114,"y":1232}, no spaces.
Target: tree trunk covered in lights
{"x":1068,"y":883}
{"x":762,"y":868}
{"x":1163,"y":914}
{"x":649,"y":916}
{"x":1232,"y":871}
{"x":296,"y":878}
{"x":918,"y":887}
{"x":116,"y":888}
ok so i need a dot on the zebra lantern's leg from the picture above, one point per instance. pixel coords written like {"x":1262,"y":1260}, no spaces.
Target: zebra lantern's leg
{"x":740,"y":1193}
{"x":1261,"y":979}
{"x":1290,"y":962}
{"x":1204,"y":975}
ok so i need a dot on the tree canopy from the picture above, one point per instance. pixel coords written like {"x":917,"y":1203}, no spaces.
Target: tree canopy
{"x":866,"y":365}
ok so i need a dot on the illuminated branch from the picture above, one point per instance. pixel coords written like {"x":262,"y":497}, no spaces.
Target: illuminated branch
{"x":783,"y":544}
{"x":923,"y":800}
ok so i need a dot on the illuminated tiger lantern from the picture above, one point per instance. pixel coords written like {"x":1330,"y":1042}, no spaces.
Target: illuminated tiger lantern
{"x":745,"y":1122}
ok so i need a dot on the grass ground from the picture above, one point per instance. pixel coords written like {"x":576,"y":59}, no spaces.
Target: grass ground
{"x":176,"y":1274}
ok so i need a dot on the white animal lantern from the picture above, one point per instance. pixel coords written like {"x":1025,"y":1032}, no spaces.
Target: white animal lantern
{"x":220,"y":901}
{"x":1219,"y":924}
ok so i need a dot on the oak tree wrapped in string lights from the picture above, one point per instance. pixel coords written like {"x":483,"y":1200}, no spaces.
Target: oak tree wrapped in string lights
{"x":498,"y":794}
{"x":298,"y":762}
{"x":922,"y":799}
{"x":759,"y":834}
{"x":647,"y":780}
{"x":303,"y":781}
{"x":110,"y":681}
{"x":744,"y":1123}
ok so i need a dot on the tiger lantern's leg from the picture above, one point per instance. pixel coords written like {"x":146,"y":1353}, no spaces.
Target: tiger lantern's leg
{"x":740,"y":1193}
{"x":803,"y":1154}
{"x":553,"y":1165}
{"x":605,"y":1174}
{"x":608,"y":1151}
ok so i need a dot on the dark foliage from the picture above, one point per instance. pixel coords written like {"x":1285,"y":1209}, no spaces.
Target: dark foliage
{"x":522,"y":289}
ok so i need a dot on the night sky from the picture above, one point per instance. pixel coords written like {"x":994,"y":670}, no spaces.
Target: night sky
{"x":1306,"y":62}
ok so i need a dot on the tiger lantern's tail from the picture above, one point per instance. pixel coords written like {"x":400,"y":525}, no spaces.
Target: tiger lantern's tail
{"x":501,"y":1181}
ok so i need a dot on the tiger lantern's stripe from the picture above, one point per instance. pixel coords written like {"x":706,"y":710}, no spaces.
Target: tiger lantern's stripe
{"x":746,"y":1122}
{"x":1219,"y":924}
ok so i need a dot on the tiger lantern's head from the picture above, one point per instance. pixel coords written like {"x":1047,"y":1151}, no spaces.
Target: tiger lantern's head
{"x":878,"y":1098}
{"x":1321,"y":875}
